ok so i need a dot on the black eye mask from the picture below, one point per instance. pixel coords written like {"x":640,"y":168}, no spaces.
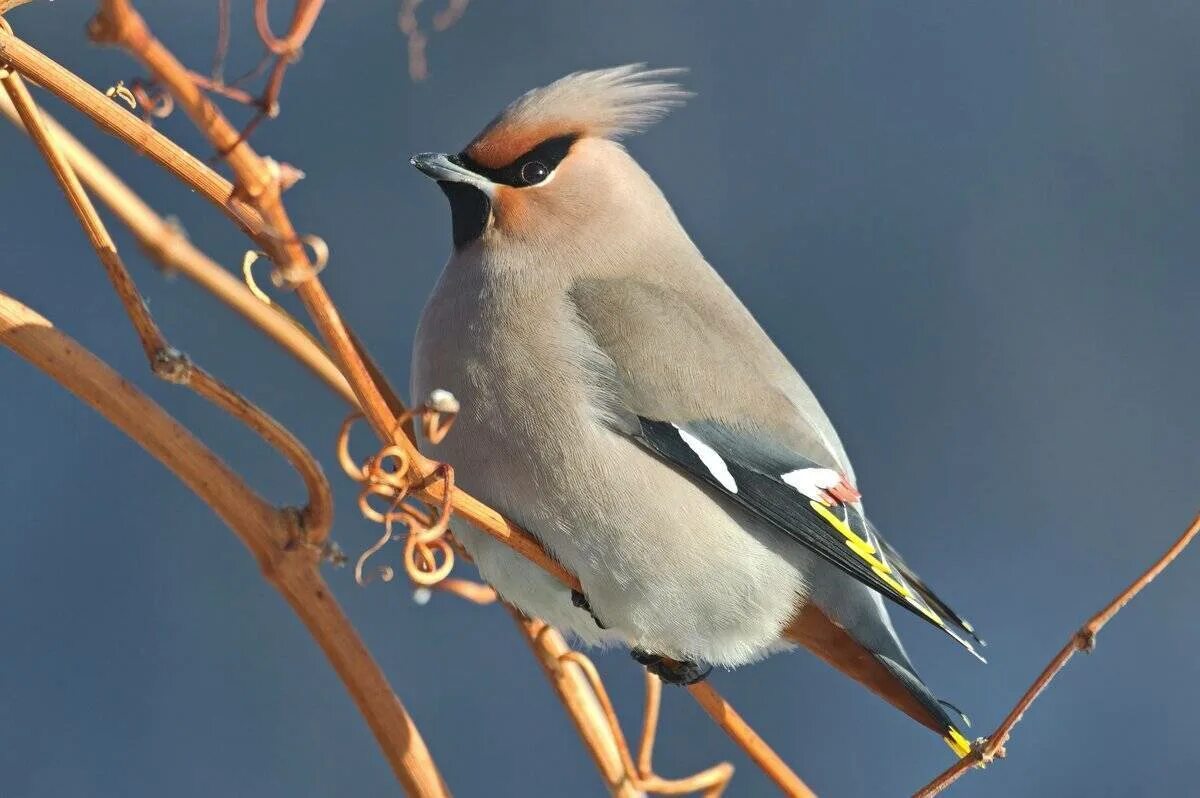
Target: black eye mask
{"x":528,"y":170}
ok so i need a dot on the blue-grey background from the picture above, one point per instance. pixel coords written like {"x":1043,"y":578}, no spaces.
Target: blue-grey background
{"x":972,"y":226}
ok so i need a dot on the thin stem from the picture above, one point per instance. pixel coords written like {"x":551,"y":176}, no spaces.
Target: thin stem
{"x":218,"y":66}
{"x":268,"y":533}
{"x":576,"y":694}
{"x":649,"y":725}
{"x":1083,"y":640}
{"x":115,"y":120}
{"x":731,"y":722}
{"x":167,"y":246}
{"x":197,"y":175}
{"x":304,"y":16}
{"x":164,"y":360}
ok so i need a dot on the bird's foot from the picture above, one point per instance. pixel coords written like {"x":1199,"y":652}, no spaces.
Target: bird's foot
{"x":670,"y":670}
{"x":580,"y":601}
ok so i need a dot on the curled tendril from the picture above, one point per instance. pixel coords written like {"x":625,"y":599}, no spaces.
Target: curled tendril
{"x":155,"y":102}
{"x":711,"y":783}
{"x":385,"y":572}
{"x":248,"y":260}
{"x":122,"y":93}
{"x":290,"y":278}
{"x":388,"y":475}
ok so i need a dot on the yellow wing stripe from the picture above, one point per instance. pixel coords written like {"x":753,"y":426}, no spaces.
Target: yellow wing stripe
{"x":891,"y":581}
{"x":860,"y":547}
{"x":866,"y":551}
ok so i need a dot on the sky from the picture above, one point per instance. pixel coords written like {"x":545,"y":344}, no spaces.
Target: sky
{"x":970,"y":226}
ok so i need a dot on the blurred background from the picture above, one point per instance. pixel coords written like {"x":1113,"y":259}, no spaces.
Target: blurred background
{"x":997,"y":207}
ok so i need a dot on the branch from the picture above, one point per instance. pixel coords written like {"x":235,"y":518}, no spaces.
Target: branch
{"x":116,"y":121}
{"x":581,"y":690}
{"x":1083,"y":640}
{"x":195,"y":174}
{"x":756,"y":747}
{"x":167,"y":246}
{"x":165,"y":361}
{"x":579,"y":699}
{"x":271,"y":535}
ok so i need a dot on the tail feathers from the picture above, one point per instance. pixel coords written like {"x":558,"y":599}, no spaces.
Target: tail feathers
{"x":890,"y":680}
{"x":935,"y":715}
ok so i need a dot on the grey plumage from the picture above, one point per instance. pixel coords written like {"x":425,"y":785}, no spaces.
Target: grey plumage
{"x":573,"y":315}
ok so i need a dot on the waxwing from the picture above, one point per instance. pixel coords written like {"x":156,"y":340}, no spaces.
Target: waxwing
{"x":620,"y":403}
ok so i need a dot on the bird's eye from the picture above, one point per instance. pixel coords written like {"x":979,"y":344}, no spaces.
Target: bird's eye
{"x":534,"y":172}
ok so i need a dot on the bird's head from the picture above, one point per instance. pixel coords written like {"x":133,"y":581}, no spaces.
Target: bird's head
{"x":550,"y":164}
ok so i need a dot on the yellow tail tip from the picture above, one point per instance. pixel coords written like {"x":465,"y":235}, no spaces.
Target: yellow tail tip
{"x":960,"y":745}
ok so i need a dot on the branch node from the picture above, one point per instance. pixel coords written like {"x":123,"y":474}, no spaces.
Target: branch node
{"x":332,"y":553}
{"x":172,"y":365}
{"x":291,"y":278}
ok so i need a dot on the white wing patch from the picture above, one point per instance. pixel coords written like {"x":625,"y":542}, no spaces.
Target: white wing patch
{"x":813,"y":482}
{"x":712,"y":461}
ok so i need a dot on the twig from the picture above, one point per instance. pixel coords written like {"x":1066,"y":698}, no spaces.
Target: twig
{"x":268,"y":533}
{"x":449,"y":15}
{"x":649,"y":724}
{"x":417,"y":41}
{"x":711,"y":781}
{"x":166,"y":245}
{"x":218,"y":67}
{"x":304,"y":16}
{"x":1083,"y":640}
{"x":226,"y":90}
{"x":581,"y":703}
{"x":731,"y":722}
{"x":117,"y":121}
{"x":164,"y":360}
{"x":406,"y":21}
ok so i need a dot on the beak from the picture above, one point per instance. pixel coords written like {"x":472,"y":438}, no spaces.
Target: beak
{"x":445,"y":169}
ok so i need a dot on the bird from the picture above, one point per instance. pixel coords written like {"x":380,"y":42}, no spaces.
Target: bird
{"x":619,"y":402}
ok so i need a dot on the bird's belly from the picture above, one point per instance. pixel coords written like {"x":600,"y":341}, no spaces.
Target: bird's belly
{"x":664,"y":563}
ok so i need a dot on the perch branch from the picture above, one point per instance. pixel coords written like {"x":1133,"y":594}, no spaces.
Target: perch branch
{"x":164,"y":360}
{"x":1083,"y":640}
{"x":270,"y":534}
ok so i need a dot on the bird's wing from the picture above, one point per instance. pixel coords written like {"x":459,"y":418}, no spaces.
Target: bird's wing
{"x":793,"y":494}
{"x":688,"y":373}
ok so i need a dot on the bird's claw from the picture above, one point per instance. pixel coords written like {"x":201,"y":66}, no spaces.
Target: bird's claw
{"x":580,"y":601}
{"x":672,"y":671}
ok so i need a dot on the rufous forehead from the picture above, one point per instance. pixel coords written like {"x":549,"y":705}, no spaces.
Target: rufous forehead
{"x":504,"y":143}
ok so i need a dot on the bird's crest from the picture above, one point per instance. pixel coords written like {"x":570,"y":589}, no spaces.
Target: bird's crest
{"x":604,"y":103}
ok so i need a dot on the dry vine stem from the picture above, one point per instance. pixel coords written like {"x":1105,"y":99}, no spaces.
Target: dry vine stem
{"x":295,"y":538}
{"x":166,"y":244}
{"x":269,"y":533}
{"x":1083,"y":640}
{"x":165,"y":361}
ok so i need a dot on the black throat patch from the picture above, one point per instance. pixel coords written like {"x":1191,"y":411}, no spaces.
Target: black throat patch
{"x":469,"y":211}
